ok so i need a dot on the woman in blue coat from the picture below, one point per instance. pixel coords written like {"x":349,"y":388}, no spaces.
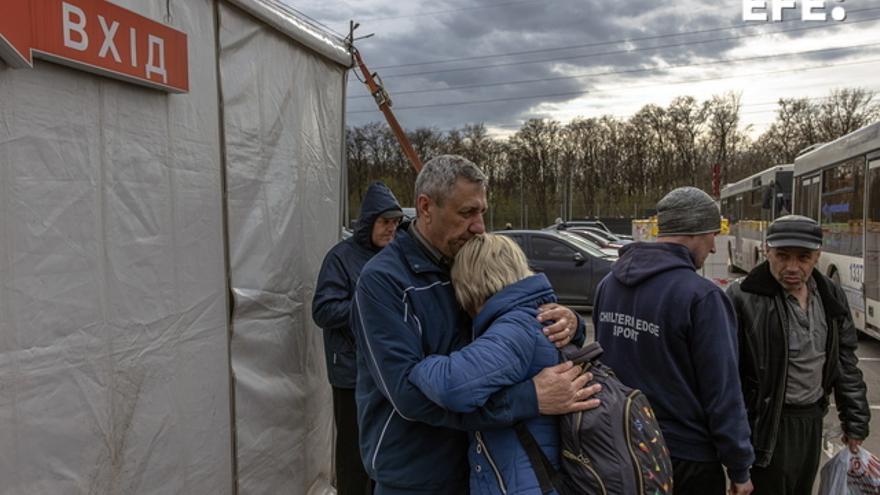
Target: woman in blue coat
{"x":493,"y":283}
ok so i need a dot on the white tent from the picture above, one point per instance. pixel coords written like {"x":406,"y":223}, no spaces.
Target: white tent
{"x":158,"y":254}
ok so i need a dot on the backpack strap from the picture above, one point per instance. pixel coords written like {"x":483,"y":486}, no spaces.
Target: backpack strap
{"x":548,"y":477}
{"x":580,"y":355}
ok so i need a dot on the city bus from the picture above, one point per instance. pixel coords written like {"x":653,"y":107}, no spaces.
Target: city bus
{"x":749,"y":206}
{"x":838,"y":184}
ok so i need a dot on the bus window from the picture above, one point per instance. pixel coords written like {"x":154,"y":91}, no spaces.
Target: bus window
{"x":872,"y":253}
{"x":808,"y":197}
{"x":768,"y":196}
{"x":841,"y":208}
{"x":738,"y":208}
{"x":752,"y":205}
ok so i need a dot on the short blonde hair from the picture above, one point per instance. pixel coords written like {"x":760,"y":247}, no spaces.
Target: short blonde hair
{"x":483,"y":266}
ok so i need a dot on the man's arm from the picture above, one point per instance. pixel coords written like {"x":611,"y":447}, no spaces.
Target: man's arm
{"x":332,"y":301}
{"x":713,"y":348}
{"x":466,"y":379}
{"x":390,"y":339}
{"x":850,"y":390}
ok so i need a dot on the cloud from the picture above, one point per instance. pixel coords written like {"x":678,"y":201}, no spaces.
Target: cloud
{"x":661,"y":34}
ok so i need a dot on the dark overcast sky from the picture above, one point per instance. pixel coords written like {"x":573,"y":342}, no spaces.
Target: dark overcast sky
{"x":568,"y":58}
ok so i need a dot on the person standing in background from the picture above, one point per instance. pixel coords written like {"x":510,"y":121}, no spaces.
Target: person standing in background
{"x":337,"y":281}
{"x":798,"y":343}
{"x":672,"y":333}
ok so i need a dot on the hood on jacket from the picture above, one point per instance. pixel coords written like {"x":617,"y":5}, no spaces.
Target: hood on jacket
{"x":378,"y":200}
{"x":640,"y":261}
{"x":531,"y":291}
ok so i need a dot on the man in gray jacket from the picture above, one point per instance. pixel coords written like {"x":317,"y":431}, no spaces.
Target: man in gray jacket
{"x":797,"y":344}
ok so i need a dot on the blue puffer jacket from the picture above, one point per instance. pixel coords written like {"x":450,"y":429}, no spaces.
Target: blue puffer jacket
{"x":508,"y":349}
{"x":337,"y":281}
{"x":405,"y":310}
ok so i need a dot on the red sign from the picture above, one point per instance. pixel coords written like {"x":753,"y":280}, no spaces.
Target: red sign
{"x":96,"y":36}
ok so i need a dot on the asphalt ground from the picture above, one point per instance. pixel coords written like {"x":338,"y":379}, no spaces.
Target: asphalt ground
{"x":869,"y":362}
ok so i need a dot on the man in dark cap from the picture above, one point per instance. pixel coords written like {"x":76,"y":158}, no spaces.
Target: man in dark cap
{"x":672,"y":333}
{"x":798,"y":343}
{"x":331,"y":307}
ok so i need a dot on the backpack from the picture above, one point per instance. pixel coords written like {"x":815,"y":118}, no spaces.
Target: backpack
{"x":615,"y":449}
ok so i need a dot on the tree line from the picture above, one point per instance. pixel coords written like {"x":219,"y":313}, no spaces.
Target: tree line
{"x":609,"y":166}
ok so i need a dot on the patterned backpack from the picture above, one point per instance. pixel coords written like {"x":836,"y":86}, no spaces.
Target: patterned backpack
{"x":615,"y":449}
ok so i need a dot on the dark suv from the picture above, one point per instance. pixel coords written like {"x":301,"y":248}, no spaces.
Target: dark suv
{"x":573,"y":265}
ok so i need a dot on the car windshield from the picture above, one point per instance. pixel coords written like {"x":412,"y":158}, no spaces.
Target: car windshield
{"x":583,"y":244}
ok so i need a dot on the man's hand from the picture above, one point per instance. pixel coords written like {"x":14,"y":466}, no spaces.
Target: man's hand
{"x":564,"y":323}
{"x":852,"y":444}
{"x":741,"y":488}
{"x":562,"y":389}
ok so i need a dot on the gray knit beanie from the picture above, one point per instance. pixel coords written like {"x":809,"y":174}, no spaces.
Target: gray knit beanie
{"x":687,"y":211}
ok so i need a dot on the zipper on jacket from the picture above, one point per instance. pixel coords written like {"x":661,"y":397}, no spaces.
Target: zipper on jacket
{"x":583,"y":461}
{"x":501,"y":484}
{"x":627,"y":430}
{"x":777,"y":414}
{"x":832,"y":348}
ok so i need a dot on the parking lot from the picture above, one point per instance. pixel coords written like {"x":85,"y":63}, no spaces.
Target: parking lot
{"x":869,"y":362}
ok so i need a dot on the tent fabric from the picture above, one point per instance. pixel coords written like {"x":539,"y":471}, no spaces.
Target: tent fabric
{"x":282,"y":17}
{"x":113,"y":326}
{"x":117,"y":350}
{"x":283,"y":128}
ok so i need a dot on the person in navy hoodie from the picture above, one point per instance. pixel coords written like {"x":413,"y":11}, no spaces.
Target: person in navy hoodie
{"x":337,"y":280}
{"x":672,"y":333}
{"x":494,"y":285}
{"x":404,"y":310}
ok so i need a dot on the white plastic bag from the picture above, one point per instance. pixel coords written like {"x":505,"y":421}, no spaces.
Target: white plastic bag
{"x":850,"y":474}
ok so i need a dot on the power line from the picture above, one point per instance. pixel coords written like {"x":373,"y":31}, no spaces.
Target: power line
{"x":599,"y":74}
{"x":314,"y":22}
{"x":617,"y":52}
{"x":449,"y":11}
{"x":600,"y":43}
{"x":580,"y":93}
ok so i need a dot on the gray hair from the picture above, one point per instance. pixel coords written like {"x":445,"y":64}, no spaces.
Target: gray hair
{"x":438,"y":176}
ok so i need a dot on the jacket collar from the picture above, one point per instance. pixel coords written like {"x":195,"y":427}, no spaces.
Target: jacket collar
{"x":433,"y":253}
{"x":531,"y":291}
{"x":416,"y":256}
{"x":760,"y":281}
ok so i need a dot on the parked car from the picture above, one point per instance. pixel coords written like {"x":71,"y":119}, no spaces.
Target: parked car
{"x":595,"y":225}
{"x":609,"y":236}
{"x":573,"y":265}
{"x":607,"y":246}
{"x":564,"y":224}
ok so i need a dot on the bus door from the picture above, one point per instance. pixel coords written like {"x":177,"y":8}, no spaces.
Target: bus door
{"x":872,"y":245}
